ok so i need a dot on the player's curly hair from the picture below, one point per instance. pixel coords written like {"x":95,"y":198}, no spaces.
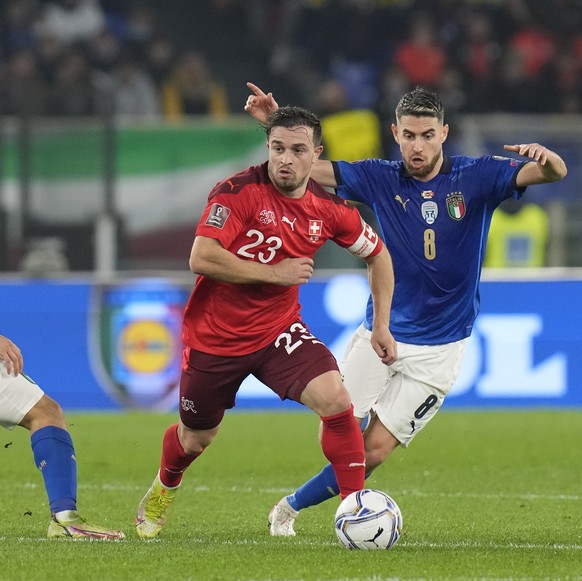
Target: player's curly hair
{"x":290,"y":116}
{"x":421,"y":103}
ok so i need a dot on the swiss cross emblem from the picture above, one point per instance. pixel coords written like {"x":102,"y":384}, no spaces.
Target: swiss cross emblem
{"x":315,"y":229}
{"x":369,"y":233}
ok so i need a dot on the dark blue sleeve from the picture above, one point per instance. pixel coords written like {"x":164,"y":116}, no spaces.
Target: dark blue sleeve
{"x":500,"y":174}
{"x":356,"y":180}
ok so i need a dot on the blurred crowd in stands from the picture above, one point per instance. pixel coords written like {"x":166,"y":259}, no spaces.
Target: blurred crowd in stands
{"x":154,"y":59}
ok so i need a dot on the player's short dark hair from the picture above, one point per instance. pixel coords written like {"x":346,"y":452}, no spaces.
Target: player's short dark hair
{"x":289,"y":116}
{"x":420,"y":103}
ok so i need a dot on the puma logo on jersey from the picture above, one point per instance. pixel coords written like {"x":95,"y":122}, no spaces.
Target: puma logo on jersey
{"x":291,"y":223}
{"x":399,"y":199}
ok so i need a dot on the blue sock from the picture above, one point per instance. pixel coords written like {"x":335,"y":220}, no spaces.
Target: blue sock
{"x":315,"y":491}
{"x":54,"y":456}
{"x":321,"y":487}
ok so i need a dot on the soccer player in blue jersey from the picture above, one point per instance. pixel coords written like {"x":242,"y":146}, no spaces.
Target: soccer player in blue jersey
{"x":23,"y":403}
{"x":434,"y":213}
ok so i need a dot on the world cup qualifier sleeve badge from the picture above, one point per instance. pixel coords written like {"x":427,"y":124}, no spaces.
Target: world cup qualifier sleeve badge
{"x":456,"y":205}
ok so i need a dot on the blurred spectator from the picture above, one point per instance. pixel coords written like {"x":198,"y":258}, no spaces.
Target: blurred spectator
{"x":332,"y":97}
{"x":349,"y":134}
{"x":23,"y":91}
{"x":44,"y":256}
{"x":567,"y":79}
{"x":568,"y":84}
{"x":355,"y":54}
{"x":359,"y":79}
{"x":18,"y":17}
{"x":134,"y":92}
{"x":71,"y":21}
{"x":141,"y":27}
{"x":392,"y":86}
{"x":535,"y":48}
{"x":104,"y":50}
{"x":192,"y":90}
{"x":526,"y":68}
{"x":518,"y":236}
{"x":49,"y":54}
{"x":482,"y":56}
{"x":478,"y":53}
{"x":420,"y":57}
{"x":159,"y":56}
{"x":72,"y":94}
{"x":452,"y":92}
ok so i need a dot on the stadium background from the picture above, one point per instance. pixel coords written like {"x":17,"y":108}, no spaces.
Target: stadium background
{"x":117,"y":117}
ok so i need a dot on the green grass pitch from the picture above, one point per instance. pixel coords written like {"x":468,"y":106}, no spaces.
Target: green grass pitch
{"x":485,"y":496}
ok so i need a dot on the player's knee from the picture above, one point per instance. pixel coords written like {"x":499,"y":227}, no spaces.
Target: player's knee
{"x":378,"y":449}
{"x":326,"y":395}
{"x":193,"y":446}
{"x":46,"y":412}
{"x":333,"y":405}
{"x":194,"y":442}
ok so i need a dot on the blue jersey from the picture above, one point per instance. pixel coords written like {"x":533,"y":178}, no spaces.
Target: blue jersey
{"x":436,"y":232}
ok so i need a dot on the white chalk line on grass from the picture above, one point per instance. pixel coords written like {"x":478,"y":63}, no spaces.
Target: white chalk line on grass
{"x":491,"y":495}
{"x":562,"y":547}
{"x":119,"y":486}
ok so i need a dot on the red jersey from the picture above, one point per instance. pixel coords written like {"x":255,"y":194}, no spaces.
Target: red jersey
{"x":254,"y":221}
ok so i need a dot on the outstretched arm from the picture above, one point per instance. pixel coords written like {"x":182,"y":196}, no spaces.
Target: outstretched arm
{"x":547,"y":166}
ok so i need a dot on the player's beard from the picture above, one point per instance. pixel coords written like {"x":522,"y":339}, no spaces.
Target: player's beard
{"x":425,"y":170}
{"x":288,"y":185}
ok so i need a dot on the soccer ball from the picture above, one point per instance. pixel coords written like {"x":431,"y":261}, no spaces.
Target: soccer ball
{"x":368,"y":519}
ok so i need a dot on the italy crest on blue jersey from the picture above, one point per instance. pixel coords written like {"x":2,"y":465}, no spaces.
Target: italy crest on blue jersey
{"x":456,"y":205}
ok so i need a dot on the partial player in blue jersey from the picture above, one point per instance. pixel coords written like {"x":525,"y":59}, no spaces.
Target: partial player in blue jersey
{"x":23,"y":403}
{"x":434,"y":213}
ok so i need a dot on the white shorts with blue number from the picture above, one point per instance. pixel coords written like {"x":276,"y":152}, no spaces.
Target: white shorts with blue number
{"x":406,"y":395}
{"x":18,"y":395}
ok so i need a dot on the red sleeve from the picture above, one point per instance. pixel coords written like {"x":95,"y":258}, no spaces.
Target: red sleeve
{"x":222,"y":219}
{"x":356,"y":235}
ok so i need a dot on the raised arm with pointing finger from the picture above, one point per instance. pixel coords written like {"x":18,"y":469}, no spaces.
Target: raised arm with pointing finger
{"x":260,"y":105}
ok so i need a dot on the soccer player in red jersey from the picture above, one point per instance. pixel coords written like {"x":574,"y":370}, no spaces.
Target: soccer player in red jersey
{"x":254,"y":246}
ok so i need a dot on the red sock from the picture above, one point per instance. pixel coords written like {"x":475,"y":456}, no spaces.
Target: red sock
{"x":174,"y":459}
{"x":343,"y":445}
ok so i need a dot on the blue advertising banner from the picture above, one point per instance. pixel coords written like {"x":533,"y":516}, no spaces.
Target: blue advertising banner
{"x":117,"y":346}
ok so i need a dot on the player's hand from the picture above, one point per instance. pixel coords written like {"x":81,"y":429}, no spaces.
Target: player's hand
{"x":260,"y":105}
{"x":384,"y":345}
{"x":11,"y":355}
{"x":534,"y":151}
{"x":291,"y":271}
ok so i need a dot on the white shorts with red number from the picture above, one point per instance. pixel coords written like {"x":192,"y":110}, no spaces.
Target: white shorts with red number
{"x":18,"y":395}
{"x":407,"y":394}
